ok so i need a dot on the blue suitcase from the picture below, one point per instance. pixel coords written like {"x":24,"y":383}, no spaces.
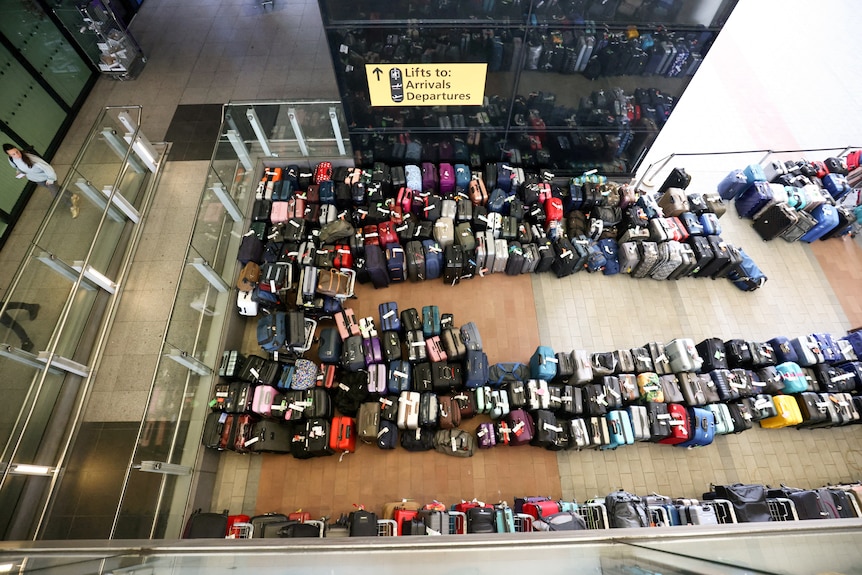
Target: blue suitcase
{"x":375,"y":264}
{"x":610,"y":249}
{"x":753,"y":199}
{"x":433,"y":259}
{"x":430,"y":321}
{"x":475,"y":369}
{"x":747,"y":276}
{"x":836,"y":185}
{"x":831,"y":352}
{"x":329,"y":345}
{"x":395,"y":263}
{"x":702,"y":426}
{"x":470,"y":336}
{"x":398,"y":377}
{"x":754,"y":173}
{"x":827,"y":220}
{"x":783,"y":349}
{"x":272,"y":331}
{"x":692,"y":224}
{"x":709,"y":224}
{"x":619,"y":429}
{"x":732,"y":185}
{"x":792,"y":377}
{"x":389,"y":318}
{"x":543,"y":363}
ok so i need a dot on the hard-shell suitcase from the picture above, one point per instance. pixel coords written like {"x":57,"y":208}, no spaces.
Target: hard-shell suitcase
{"x":753,"y":199}
{"x":433,"y":259}
{"x":408,"y":410}
{"x":733,"y":184}
{"x":543,"y":364}
{"x":827,"y":219}
{"x":678,"y":423}
{"x":649,"y":257}
{"x":701,"y":426}
{"x":521,"y":425}
{"x":775,"y":221}
{"x":619,"y":429}
{"x":682,"y":355}
{"x":804,"y":223}
{"x":788,"y":413}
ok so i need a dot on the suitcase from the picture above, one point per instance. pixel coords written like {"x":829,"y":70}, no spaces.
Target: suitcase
{"x":522,"y":427}
{"x":702,"y":427}
{"x":788,"y":414}
{"x":827,"y":219}
{"x":804,"y":223}
{"x":753,"y":199}
{"x":343,"y":435}
{"x":543,"y":364}
{"x":475,"y":369}
{"x":433,"y":259}
{"x":682,"y":355}
{"x":430,"y":321}
{"x":678,"y":424}
{"x":775,"y":221}
{"x":408,"y":410}
{"x":620,"y":431}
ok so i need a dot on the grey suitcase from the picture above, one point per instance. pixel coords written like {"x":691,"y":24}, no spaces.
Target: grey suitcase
{"x":649,"y":258}
{"x":670,"y":259}
{"x":688,"y":265}
{"x":628,"y":257}
{"x":804,"y":222}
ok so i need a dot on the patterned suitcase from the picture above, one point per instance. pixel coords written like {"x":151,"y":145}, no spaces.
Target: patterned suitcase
{"x":774,"y":221}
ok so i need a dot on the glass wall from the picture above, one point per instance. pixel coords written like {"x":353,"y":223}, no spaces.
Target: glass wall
{"x":60,"y":297}
{"x":44,"y":80}
{"x":569,"y":86}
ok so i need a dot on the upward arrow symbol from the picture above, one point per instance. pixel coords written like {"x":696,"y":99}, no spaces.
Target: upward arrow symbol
{"x":377,"y":72}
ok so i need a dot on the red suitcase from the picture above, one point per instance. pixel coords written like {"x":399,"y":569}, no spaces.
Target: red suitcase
{"x":553,"y":211}
{"x":386,"y":234}
{"x":679,"y":428}
{"x":371,"y":235}
{"x":343,"y":435}
{"x":402,"y":515}
{"x":541,"y":509}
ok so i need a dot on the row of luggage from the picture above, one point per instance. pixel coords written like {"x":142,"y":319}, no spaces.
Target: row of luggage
{"x":722,"y":504}
{"x":796,"y":200}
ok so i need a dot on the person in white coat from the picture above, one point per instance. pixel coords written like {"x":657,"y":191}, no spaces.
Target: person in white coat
{"x":37,"y":170}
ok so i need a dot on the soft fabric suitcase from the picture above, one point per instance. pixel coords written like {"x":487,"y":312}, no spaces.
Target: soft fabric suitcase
{"x":522,"y":427}
{"x":476,"y":369}
{"x":470,"y":336}
{"x":433,"y":259}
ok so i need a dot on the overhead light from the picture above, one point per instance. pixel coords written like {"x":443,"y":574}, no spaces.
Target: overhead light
{"x":163,"y":467}
{"x":210,"y":274}
{"x":336,"y":130}
{"x":63,"y":363}
{"x":96,"y":277}
{"x":239,"y":149}
{"x":189,"y":362}
{"x":258,"y":131}
{"x":121,"y":203}
{"x":297,"y":131}
{"x":116,"y":144}
{"x":229,"y":204}
{"x":27,"y":469}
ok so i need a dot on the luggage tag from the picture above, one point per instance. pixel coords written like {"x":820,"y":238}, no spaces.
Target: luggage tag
{"x":518,"y":429}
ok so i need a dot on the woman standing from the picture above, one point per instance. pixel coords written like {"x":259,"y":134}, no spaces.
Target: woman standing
{"x":37,"y":170}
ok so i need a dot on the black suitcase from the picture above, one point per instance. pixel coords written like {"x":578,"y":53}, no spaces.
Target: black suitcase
{"x":846,"y":218}
{"x":362,"y":523}
{"x":565,"y":259}
{"x":415,"y":255}
{"x":271,"y":437}
{"x":738,"y":353}
{"x":390,"y":344}
{"x":311,"y":439}
{"x":546,"y":255}
{"x":481,"y":520}
{"x":703,"y":254}
{"x":454,"y":264}
{"x":658,"y":416}
{"x":711,"y":350}
{"x":217,"y":429}
{"x":721,"y":257}
{"x":546,"y":429}
{"x":774,"y":221}
{"x":206,"y":525}
{"x":422,"y":380}
{"x":734,"y":258}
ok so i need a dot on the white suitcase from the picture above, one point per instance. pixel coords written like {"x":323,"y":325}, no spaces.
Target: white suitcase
{"x":501,"y":256}
{"x":449,"y":209}
{"x":537,"y":394}
{"x":444,"y":232}
{"x":805,"y":347}
{"x":495,"y":224}
{"x":408,"y":410}
{"x":682,"y":355}
{"x":583,"y":368}
{"x":245,"y":304}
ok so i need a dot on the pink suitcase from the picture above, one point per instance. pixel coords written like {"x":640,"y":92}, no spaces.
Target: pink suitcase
{"x":279,"y":212}
{"x":346,"y":323}
{"x":264,"y":395}
{"x":436,"y":351}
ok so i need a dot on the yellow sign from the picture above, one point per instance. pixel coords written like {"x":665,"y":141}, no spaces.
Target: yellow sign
{"x":426,"y":84}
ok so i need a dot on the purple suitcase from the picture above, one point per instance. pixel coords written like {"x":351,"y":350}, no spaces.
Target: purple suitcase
{"x":372,"y":350}
{"x":522,"y":426}
{"x":429,"y":178}
{"x":447,"y":180}
{"x":486,"y":435}
{"x":753,"y":199}
{"x":734,"y":183}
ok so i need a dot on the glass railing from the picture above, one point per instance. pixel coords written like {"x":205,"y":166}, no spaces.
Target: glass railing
{"x":786,"y":548}
{"x":203,"y":317}
{"x":62,"y":298}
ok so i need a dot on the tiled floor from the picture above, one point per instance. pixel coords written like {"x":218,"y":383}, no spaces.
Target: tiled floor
{"x":215,"y":51}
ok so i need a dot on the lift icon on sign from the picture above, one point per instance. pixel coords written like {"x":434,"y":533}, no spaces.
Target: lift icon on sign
{"x":396,"y":85}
